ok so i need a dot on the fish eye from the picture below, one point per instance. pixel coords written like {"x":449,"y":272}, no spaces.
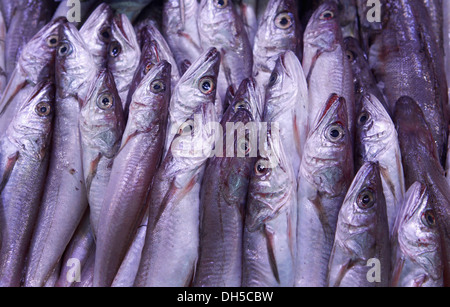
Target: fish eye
{"x":283,"y":20}
{"x":64,"y":49}
{"x":241,"y":105}
{"x":115,"y":49}
{"x":366,"y":199}
{"x":363,"y":118}
{"x":157,"y":86}
{"x":105,"y":34}
{"x":327,"y":15}
{"x":221,"y":3}
{"x":351,"y":56}
{"x":43,"y":109}
{"x":52,"y":41}
{"x":335,"y":133}
{"x":262,"y":167}
{"x":148,"y":67}
{"x":428,"y":219}
{"x":273,"y":79}
{"x":243,"y":146}
{"x":186,"y":128}
{"x":105,"y":101}
{"x":206,"y":85}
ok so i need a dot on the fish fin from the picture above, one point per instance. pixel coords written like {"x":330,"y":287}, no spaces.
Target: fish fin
{"x":92,"y":171}
{"x":8,"y":170}
{"x":271,"y":250}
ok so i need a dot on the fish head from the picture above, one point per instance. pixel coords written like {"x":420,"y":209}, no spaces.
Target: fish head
{"x":363,"y":217}
{"x":358,"y":59}
{"x":36,"y":61}
{"x":328,"y":155}
{"x":96,"y":32}
{"x":417,"y":231}
{"x":248,"y":98}
{"x":102,"y":117}
{"x":215,"y":12}
{"x":323,"y":32}
{"x":75,"y":65}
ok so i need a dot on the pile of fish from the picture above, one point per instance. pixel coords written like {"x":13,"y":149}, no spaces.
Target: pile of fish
{"x":220,"y":143}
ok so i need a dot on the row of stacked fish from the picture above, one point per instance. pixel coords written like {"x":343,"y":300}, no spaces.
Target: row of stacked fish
{"x":118,"y":166}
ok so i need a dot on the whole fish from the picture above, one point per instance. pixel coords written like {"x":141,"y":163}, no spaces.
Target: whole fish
{"x":221,"y":27}
{"x":407,"y":59}
{"x":64,"y":201}
{"x":132,"y":173}
{"x":223,"y":197}
{"x":131,"y":9}
{"x":286,"y":102}
{"x":172,"y":241}
{"x":25,"y":151}
{"x":2,"y":55}
{"x":27,"y":20}
{"x":179,"y":27}
{"x":416,"y":244}
{"x":377,"y":141}
{"x":269,"y":243}
{"x":195,"y":87}
{"x":279,"y":30}
{"x":35,"y":64}
{"x":96,"y":32}
{"x":362,"y":234}
{"x":325,"y":63}
{"x":421,"y":163}
{"x":326,"y":173}
{"x":123,"y":55}
{"x":102,"y":124}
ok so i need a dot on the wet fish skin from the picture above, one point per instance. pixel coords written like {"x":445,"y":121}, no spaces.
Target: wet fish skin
{"x":64,"y":201}
{"x":96,"y":32}
{"x":222,"y":28}
{"x":179,"y":27}
{"x":423,"y":165}
{"x":377,"y":141}
{"x":132,"y":173}
{"x":223,"y":199}
{"x":326,"y":173}
{"x":269,"y":242}
{"x":275,"y":37}
{"x":435,"y":9}
{"x":25,"y":151}
{"x":123,"y":55}
{"x":102,"y":124}
{"x":362,"y":233}
{"x":416,"y":244}
{"x":2,"y":55}
{"x":325,"y":62}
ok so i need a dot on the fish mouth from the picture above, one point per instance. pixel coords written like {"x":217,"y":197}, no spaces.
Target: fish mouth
{"x":119,"y":22}
{"x":212,"y":54}
{"x":333,"y":103}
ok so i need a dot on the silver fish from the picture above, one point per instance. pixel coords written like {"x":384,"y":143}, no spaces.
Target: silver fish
{"x":102,"y":124}
{"x":132,"y":173}
{"x":2,"y":55}
{"x":221,"y":27}
{"x":172,"y":241}
{"x":326,"y":173}
{"x":416,"y":244}
{"x":362,"y":234}
{"x":269,"y":243}
{"x":25,"y":152}
{"x":64,"y":201}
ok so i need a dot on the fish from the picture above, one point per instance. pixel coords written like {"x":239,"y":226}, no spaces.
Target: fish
{"x":435,"y":10}
{"x":370,"y":24}
{"x":179,"y":27}
{"x":286,"y":103}
{"x":377,"y":141}
{"x":325,"y":175}
{"x":325,"y":63}
{"x":171,"y":246}
{"x":196,"y":86}
{"x":278,"y":31}
{"x":348,"y":17}
{"x":123,"y":55}
{"x":407,"y":59}
{"x":131,"y":9}
{"x":2,"y":55}
{"x":247,"y":10}
{"x":9,"y":8}
{"x":416,"y":244}
{"x":421,"y":163}
{"x":25,"y":152}
{"x":362,"y":234}
{"x":223,"y":196}
{"x":32,"y":67}
{"x":102,"y":123}
{"x":96,"y":32}
{"x":221,"y":27}
{"x":134,"y":168}
{"x":64,"y":201}
{"x":269,"y":243}
{"x":28,"y":18}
